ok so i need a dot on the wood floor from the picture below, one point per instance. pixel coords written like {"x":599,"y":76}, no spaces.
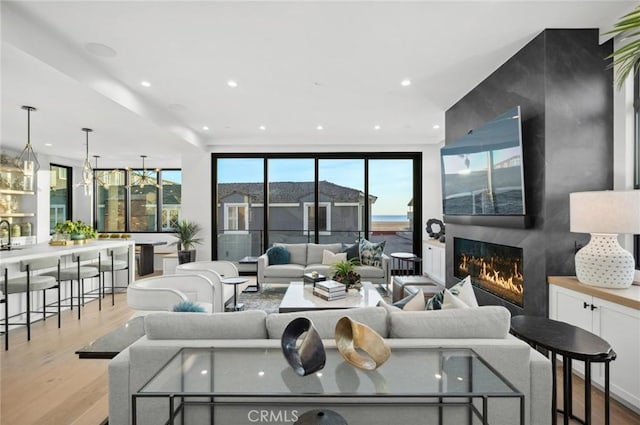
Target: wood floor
{"x":42,"y":382}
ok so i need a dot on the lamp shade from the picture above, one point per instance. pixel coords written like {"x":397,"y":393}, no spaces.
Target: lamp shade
{"x":608,"y":211}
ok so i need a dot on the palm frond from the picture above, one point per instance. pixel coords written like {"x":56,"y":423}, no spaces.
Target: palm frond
{"x":627,"y":57}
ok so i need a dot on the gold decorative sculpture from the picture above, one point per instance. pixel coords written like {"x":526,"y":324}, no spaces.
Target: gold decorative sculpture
{"x":352,"y":336}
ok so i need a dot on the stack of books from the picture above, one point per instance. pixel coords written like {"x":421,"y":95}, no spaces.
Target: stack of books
{"x":330,"y":290}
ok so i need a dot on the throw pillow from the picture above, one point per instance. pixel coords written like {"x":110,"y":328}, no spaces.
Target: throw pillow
{"x":278,"y":255}
{"x":329,"y":258}
{"x":353,"y":252}
{"x":450,"y":301}
{"x":413,"y":302}
{"x":371,"y":253}
{"x":463,"y":290}
{"x":388,"y":307}
{"x":188,"y":307}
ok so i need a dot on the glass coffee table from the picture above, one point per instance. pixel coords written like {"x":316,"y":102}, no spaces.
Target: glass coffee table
{"x":245,"y":385}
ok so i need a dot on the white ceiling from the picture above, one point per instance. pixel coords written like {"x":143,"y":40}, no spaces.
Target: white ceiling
{"x":297,"y":64}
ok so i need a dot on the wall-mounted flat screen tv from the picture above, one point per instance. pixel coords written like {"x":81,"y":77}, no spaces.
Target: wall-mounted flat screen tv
{"x":482,"y":173}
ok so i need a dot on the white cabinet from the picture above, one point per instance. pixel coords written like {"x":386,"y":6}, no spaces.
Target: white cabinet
{"x":617,"y":324}
{"x":434,"y":260}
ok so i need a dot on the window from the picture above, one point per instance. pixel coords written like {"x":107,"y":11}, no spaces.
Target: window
{"x":264,"y":199}
{"x":236,"y":218}
{"x":324,"y":218}
{"x":59,"y":195}
{"x":110,"y":200}
{"x":153,"y":203}
{"x":171,"y":181}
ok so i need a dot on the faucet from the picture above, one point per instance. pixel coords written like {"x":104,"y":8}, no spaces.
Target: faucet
{"x":7,"y":246}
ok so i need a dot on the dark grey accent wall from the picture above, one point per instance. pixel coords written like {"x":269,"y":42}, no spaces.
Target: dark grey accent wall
{"x":565,"y":92}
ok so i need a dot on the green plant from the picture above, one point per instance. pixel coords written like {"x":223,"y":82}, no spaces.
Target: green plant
{"x":626,"y":59}
{"x":344,"y":272}
{"x":186,"y":232}
{"x":76,"y":228}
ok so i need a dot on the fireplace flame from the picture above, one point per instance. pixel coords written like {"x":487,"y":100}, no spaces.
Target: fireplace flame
{"x":512,"y":282}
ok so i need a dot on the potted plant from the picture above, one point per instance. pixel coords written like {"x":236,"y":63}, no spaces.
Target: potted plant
{"x":627,"y":57}
{"x":77,"y":230}
{"x":186,"y":232}
{"x":344,"y":272}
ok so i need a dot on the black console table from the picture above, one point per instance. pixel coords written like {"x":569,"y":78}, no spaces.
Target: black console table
{"x":572,"y":343}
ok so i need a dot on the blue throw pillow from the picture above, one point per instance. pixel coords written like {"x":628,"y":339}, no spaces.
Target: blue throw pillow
{"x":353,"y":252}
{"x":278,"y":255}
{"x":188,"y":307}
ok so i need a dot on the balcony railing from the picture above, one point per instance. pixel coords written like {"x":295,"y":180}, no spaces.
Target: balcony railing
{"x":234,"y":246}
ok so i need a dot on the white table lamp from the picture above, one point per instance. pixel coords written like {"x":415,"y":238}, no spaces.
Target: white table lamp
{"x":605,"y":214}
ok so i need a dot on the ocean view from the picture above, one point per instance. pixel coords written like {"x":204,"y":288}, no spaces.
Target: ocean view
{"x":402,"y":217}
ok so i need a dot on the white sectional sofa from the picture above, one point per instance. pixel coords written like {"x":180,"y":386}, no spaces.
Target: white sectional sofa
{"x":307,"y":258}
{"x":483,"y":329}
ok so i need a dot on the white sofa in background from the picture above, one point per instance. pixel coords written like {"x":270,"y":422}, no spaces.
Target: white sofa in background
{"x":307,"y":258}
{"x":215,"y":271}
{"x":483,"y":329}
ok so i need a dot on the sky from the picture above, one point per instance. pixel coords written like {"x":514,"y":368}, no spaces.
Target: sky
{"x":390,"y":179}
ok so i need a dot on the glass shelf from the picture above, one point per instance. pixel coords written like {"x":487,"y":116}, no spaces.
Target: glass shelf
{"x":15,"y":192}
{"x":17,"y":214}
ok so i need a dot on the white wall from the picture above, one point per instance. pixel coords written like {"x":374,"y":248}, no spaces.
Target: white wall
{"x":196,"y":197}
{"x":431,"y":185}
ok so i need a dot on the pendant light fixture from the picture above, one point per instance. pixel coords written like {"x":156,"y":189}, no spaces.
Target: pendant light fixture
{"x":104,"y":179}
{"x":27,"y":161}
{"x":87,"y":171}
{"x":145,"y":178}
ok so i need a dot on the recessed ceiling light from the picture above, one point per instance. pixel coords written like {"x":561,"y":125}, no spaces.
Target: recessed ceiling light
{"x":319,"y":127}
{"x":205,"y":128}
{"x":376,"y":127}
{"x":99,"y":49}
{"x":405,"y":83}
{"x":48,"y":144}
{"x":145,"y":84}
{"x":436,"y":126}
{"x":263,"y":127}
{"x":232,"y":83}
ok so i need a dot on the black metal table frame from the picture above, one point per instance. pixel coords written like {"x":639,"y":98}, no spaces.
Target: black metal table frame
{"x":318,"y":399}
{"x":567,"y":384}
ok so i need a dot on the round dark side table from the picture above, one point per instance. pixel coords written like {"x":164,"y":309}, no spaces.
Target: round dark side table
{"x":572,"y":343}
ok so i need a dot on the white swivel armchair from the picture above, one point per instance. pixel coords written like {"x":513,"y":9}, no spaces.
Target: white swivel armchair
{"x":215,"y":271}
{"x":162,"y":293}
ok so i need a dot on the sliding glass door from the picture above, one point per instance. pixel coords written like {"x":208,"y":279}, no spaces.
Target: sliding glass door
{"x":240,"y":208}
{"x":291,"y":188}
{"x":341,"y":204}
{"x":262,"y":199}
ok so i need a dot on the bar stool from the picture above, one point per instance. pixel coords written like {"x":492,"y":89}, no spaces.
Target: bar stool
{"x":79,"y":273}
{"x":113,"y":265}
{"x":27,"y":284}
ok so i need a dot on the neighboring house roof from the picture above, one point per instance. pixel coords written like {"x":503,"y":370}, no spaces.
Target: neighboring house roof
{"x":283,"y":192}
{"x":171,"y":193}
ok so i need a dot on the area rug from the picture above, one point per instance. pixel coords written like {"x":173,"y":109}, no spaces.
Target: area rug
{"x":268,"y":299}
{"x":270,"y":296}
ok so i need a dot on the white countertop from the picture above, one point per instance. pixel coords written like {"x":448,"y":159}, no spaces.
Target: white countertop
{"x":29,"y":252}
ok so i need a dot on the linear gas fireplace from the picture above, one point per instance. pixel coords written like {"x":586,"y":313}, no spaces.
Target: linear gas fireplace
{"x":494,"y":268}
